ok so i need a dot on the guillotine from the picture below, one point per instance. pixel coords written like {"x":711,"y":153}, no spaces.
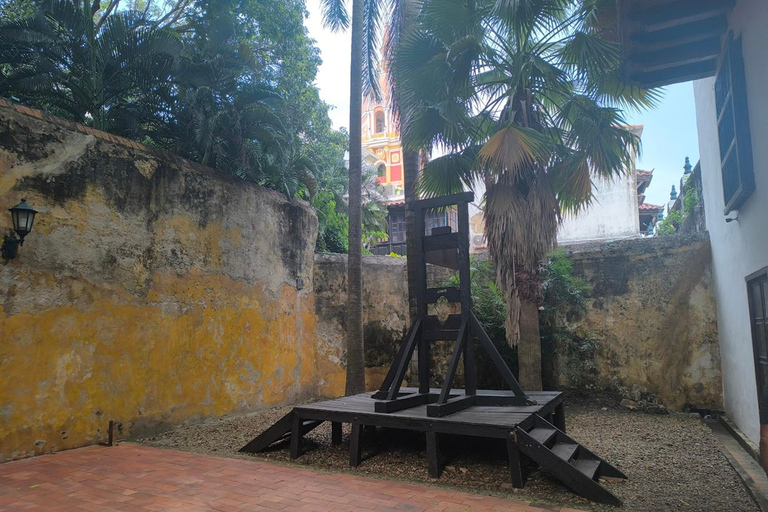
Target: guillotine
{"x":531,"y":424}
{"x":444,"y":247}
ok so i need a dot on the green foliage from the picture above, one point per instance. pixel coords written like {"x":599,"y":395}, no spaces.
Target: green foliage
{"x":670,"y":224}
{"x":228,"y":83}
{"x":490,"y":308}
{"x":690,"y":200}
{"x":675,"y":218}
{"x":333,"y":224}
{"x":564,"y":303}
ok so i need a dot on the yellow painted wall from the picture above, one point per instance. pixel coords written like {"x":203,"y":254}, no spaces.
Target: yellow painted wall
{"x":151,"y":292}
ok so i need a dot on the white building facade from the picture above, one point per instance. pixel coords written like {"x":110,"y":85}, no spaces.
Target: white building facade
{"x":739,"y":247}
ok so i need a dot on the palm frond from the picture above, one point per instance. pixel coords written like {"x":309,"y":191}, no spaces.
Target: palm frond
{"x":335,"y":15}
{"x":513,"y":149}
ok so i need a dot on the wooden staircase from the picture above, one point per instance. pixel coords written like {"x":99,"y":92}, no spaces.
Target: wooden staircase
{"x":280,"y":431}
{"x":576,"y":467}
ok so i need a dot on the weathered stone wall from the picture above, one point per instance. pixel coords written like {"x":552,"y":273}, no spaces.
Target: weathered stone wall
{"x":151,"y":291}
{"x":652,"y":307}
{"x":385,"y":310}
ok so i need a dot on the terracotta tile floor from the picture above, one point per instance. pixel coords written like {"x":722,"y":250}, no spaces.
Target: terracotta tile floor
{"x":139,"y":478}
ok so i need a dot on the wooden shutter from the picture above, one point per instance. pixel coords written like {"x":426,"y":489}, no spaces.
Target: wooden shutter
{"x":733,"y":127}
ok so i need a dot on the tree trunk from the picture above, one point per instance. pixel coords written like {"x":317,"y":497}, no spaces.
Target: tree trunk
{"x":411,"y":175}
{"x":529,"y":346}
{"x":354,"y":318}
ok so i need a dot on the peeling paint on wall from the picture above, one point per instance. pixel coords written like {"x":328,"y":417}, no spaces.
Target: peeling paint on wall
{"x":152,"y":292}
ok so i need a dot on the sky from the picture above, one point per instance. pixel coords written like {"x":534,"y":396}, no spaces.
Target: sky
{"x":669,"y":133}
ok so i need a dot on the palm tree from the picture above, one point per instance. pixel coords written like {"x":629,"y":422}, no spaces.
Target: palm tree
{"x":364,"y":79}
{"x":336,"y":16}
{"x":525,"y":97}
{"x":91,"y":67}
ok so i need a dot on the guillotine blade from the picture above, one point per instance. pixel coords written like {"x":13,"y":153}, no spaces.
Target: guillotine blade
{"x":448,"y":258}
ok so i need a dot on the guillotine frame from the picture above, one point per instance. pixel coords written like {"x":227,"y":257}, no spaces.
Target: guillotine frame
{"x":446,"y":248}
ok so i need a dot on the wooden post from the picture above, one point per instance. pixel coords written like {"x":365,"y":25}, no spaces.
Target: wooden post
{"x":470,"y":379}
{"x":421,"y":286}
{"x":515,"y":468}
{"x":296,"y":436}
{"x":336,"y":433}
{"x":355,"y":449}
{"x":558,"y":417}
{"x":433,"y":454}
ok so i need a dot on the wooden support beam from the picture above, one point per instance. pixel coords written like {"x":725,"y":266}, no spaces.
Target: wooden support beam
{"x":675,"y":75}
{"x":404,"y":402}
{"x":470,"y":379}
{"x":558,"y":417}
{"x":515,"y":466}
{"x":402,"y":353}
{"x":296,"y":435}
{"x":660,"y":17}
{"x":498,"y":361}
{"x":451,"y":406}
{"x":402,"y":363}
{"x":680,"y":55}
{"x":355,"y":448}
{"x":335,"y":433}
{"x":648,"y":41}
{"x":433,"y":454}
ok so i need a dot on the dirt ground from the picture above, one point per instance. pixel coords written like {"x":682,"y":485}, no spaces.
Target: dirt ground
{"x":673,"y":461}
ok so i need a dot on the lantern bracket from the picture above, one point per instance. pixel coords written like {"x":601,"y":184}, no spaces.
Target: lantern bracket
{"x":10,"y":247}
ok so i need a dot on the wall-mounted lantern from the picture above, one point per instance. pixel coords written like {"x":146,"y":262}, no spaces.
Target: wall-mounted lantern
{"x":23,"y":217}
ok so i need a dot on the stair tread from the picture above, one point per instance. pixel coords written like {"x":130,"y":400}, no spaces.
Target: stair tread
{"x":565,"y":450}
{"x":541,"y":434}
{"x":586,"y":466}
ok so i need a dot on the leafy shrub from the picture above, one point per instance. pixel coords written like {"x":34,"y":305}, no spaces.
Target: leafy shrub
{"x":564,"y":303}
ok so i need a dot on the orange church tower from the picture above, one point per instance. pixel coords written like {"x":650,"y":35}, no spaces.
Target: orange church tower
{"x":381,"y":143}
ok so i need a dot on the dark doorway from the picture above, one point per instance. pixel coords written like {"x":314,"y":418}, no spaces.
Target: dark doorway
{"x":757,"y":287}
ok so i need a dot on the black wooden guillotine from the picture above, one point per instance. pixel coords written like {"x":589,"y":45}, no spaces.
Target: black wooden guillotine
{"x":445,"y":248}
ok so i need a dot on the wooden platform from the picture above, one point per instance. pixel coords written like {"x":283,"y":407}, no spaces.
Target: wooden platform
{"x":536,"y":432}
{"x":480,"y":421}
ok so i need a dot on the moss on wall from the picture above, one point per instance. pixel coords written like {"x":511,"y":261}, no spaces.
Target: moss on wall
{"x":151,"y":291}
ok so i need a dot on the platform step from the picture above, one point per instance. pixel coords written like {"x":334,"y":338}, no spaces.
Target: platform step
{"x":565,"y":450}
{"x":586,"y":466}
{"x":542,"y":435}
{"x":568,"y":461}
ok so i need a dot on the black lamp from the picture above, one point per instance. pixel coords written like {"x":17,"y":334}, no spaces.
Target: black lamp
{"x":23,"y":217}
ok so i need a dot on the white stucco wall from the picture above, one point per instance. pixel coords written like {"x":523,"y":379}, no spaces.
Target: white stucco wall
{"x":612,"y":215}
{"x":738,"y":248}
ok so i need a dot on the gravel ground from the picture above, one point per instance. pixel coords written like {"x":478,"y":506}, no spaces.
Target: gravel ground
{"x":673,"y":461}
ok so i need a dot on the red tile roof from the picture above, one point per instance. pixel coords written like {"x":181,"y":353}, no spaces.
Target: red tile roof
{"x":650,"y":208}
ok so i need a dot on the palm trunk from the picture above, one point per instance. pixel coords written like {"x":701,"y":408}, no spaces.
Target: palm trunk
{"x":355,"y":351}
{"x":411,"y":175}
{"x":529,"y":346}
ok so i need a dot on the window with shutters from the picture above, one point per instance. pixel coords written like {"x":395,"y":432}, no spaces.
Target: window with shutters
{"x":397,"y":227}
{"x":757,"y":287}
{"x":733,"y":127}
